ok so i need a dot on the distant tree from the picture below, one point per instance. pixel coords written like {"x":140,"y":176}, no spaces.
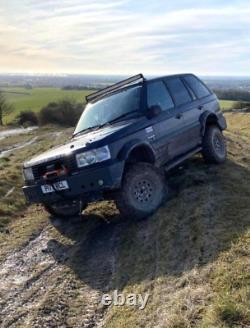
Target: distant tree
{"x":28,"y":86}
{"x":232,"y":94}
{"x":5,"y":108}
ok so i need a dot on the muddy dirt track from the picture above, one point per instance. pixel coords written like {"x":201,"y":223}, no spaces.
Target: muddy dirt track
{"x":58,"y":276}
{"x":34,"y":277}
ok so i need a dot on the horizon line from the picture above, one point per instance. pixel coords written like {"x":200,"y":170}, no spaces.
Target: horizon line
{"x":114,"y":74}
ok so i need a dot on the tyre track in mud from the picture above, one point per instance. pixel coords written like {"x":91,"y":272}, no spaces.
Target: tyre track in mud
{"x":41,"y":283}
{"x":21,"y":279}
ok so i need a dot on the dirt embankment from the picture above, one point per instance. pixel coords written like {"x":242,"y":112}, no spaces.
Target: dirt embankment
{"x":191,"y":256}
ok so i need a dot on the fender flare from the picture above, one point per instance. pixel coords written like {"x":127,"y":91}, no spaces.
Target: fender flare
{"x":211,"y":117}
{"x":131,"y":145}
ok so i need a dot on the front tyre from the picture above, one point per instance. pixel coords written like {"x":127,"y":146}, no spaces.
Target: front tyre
{"x":65,"y":209}
{"x":214,"y":148}
{"x":143,"y":190}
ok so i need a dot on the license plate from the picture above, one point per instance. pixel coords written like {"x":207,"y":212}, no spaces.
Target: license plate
{"x":60,"y":185}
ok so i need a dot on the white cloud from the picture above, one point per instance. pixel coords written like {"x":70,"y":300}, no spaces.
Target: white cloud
{"x":117,"y":37}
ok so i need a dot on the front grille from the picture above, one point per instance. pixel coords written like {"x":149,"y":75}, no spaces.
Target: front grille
{"x":68,"y":161}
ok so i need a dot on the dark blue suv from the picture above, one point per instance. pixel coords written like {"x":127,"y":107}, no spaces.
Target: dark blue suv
{"x":128,"y":135}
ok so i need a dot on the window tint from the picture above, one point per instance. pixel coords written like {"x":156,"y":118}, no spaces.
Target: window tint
{"x":159,"y":95}
{"x":199,"y":88}
{"x":178,"y":91}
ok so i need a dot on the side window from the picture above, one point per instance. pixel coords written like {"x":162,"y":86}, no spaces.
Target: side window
{"x":178,"y":91}
{"x":191,"y":92}
{"x":199,"y":88}
{"x":159,"y":95}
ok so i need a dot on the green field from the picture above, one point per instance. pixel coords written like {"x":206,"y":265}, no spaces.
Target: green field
{"x":227,"y":104}
{"x":23,"y":99}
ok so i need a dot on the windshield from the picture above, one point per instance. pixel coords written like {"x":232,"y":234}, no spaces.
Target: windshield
{"x":108,"y":109}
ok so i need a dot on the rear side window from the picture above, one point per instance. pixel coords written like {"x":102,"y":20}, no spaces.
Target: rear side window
{"x":178,"y":91}
{"x":198,"y":87}
{"x":159,"y":95}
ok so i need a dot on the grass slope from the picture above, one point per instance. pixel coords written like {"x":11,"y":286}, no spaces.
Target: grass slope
{"x":192,"y":256}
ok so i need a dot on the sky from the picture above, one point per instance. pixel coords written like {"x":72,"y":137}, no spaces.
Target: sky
{"x":125,"y":36}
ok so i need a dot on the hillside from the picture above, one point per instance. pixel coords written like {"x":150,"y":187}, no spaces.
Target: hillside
{"x":192,"y":256}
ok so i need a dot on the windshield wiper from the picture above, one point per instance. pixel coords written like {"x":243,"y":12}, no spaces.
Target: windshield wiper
{"x":86,"y":130}
{"x":119,"y":118}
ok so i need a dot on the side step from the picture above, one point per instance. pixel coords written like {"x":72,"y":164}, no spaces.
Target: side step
{"x":182,"y":158}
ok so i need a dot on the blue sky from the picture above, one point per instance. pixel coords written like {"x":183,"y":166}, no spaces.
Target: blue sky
{"x":125,"y":36}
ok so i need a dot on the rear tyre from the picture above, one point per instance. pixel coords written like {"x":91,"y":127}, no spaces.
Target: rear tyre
{"x":214,"y":148}
{"x":65,"y":209}
{"x":143,"y":190}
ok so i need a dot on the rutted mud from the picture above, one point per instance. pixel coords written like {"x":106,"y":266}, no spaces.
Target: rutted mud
{"x":13,"y":132}
{"x":17,"y":146}
{"x":21,"y":279}
{"x":37,"y":285}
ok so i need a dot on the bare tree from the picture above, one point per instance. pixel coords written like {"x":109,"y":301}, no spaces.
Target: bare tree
{"x":5,"y":108}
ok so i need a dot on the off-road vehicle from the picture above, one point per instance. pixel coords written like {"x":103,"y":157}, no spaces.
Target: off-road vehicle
{"x":128,"y":135}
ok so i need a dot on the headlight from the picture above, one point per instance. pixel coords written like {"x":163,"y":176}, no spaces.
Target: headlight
{"x":93,"y":156}
{"x":28,"y":174}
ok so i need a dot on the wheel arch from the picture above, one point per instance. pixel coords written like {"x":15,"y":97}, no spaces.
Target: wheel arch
{"x":137,"y":151}
{"x":210,"y":118}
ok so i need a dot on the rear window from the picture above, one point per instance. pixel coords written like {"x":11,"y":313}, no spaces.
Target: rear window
{"x":178,"y":91}
{"x":197,"y":86}
{"x":158,"y":95}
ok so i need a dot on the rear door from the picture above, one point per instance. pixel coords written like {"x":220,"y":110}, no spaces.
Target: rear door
{"x":183,"y":102}
{"x":168,"y":125}
{"x":201,"y":103}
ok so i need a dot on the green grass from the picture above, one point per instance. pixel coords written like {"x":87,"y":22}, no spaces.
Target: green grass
{"x":23,"y":99}
{"x":227,"y":104}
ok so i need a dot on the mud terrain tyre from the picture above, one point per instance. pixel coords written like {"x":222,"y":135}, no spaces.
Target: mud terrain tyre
{"x":65,"y":210}
{"x":214,"y":146}
{"x":143,"y":190}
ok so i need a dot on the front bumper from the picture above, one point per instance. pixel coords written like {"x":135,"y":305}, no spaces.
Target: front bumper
{"x":83,"y":185}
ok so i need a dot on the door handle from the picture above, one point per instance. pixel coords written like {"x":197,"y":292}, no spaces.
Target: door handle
{"x":178,"y":116}
{"x":200,"y":107}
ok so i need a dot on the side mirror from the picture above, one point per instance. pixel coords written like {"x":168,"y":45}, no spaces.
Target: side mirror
{"x":154,"y":111}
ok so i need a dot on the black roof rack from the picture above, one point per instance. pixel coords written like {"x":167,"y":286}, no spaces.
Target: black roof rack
{"x":114,"y":87}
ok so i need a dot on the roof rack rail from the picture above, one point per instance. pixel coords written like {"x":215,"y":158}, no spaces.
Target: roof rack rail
{"x":114,"y":87}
